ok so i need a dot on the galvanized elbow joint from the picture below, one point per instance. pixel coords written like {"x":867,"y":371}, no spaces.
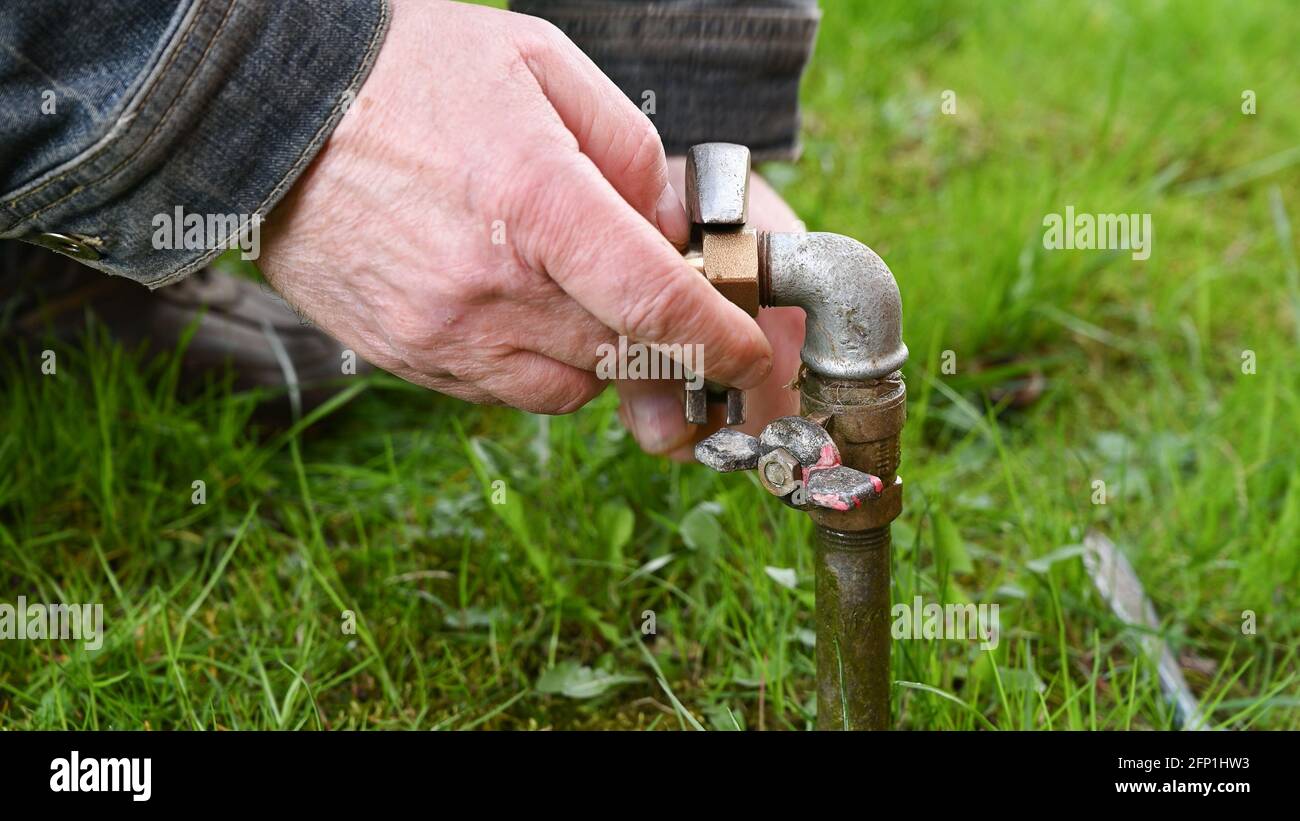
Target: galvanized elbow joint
{"x":854,"y":328}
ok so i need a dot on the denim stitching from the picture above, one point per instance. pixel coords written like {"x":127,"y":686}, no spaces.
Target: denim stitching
{"x":148,"y":140}
{"x":309,"y":151}
{"x":145,"y":94}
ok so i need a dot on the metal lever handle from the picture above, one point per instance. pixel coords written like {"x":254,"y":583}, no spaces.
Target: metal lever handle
{"x":717,"y":185}
{"x":796,"y":460}
{"x":717,"y":201}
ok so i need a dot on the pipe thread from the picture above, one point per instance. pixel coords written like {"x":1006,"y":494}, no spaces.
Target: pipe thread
{"x":871,"y":539}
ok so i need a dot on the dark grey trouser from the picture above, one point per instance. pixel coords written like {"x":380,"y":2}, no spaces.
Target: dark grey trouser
{"x":703,"y":70}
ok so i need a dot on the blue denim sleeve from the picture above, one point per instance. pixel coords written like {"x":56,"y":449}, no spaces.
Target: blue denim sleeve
{"x":145,"y":137}
{"x":702,"y":70}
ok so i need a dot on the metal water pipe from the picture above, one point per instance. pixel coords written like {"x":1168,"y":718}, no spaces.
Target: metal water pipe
{"x":838,"y":461}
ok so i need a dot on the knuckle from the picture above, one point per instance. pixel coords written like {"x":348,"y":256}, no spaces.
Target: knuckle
{"x":423,"y":339}
{"x":488,"y":362}
{"x":456,"y":290}
{"x":566,"y":395}
{"x":528,"y":189}
{"x":534,"y":383}
{"x":476,"y":288}
{"x":587,"y":390}
{"x":409,"y":335}
{"x":546,"y":216}
{"x":658,"y":310}
{"x":645,"y":154}
{"x":548,"y":32}
{"x":536,"y":40}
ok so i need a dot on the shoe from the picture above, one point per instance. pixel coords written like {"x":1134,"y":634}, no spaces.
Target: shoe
{"x":241,"y":323}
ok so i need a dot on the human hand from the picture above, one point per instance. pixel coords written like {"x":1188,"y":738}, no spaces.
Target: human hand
{"x":489,"y":212}
{"x":653,"y":410}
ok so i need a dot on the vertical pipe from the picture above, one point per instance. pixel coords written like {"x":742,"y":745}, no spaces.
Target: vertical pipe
{"x":853,"y":677}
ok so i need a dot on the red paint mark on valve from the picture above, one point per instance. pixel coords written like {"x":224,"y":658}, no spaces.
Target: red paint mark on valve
{"x":832,"y":501}
{"x":830,"y":458}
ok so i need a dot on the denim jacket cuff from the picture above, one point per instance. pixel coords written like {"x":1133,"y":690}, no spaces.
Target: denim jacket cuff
{"x":233,"y":107}
{"x":727,"y":73}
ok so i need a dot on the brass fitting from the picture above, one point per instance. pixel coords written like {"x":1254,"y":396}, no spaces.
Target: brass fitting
{"x":731,"y":266}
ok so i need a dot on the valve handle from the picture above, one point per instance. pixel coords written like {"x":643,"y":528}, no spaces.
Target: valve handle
{"x":728,"y":450}
{"x":796,"y":460}
{"x":717,"y":185}
{"x":717,"y":202}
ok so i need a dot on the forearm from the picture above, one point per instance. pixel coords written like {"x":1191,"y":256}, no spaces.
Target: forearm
{"x":117,"y":112}
{"x":703,"y":70}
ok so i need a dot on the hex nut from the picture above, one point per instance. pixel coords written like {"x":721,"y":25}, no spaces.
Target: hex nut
{"x":779,"y":470}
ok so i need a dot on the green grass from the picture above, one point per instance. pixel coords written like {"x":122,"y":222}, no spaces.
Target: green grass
{"x":527,"y":614}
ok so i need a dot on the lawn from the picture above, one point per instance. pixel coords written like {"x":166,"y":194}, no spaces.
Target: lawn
{"x":500,"y":568}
